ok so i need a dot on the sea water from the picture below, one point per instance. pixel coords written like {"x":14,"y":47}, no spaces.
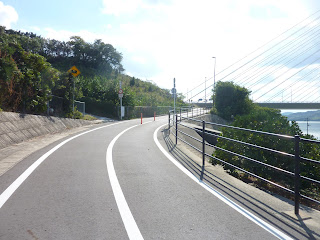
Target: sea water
{"x":312,"y":129}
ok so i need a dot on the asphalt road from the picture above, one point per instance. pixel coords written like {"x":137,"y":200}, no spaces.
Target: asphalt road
{"x":115,"y":183}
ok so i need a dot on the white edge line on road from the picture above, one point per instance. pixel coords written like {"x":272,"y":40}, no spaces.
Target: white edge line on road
{"x":223,"y":198}
{"x":16,"y":184}
{"x":125,"y":212}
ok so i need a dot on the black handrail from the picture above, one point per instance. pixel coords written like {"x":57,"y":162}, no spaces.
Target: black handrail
{"x":243,"y":129}
{"x":296,"y":156}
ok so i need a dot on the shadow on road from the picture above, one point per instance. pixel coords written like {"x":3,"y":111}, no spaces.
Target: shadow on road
{"x":296,"y":228}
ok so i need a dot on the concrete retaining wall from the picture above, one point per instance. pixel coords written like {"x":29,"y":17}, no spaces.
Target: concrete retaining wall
{"x":16,"y":128}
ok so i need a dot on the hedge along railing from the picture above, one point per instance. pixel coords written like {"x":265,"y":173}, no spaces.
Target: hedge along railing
{"x":177,"y":120}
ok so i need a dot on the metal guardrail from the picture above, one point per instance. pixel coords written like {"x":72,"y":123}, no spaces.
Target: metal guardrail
{"x":147,"y":111}
{"x":183,"y":114}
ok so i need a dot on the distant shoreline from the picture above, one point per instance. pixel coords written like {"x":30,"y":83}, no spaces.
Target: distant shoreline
{"x":303,"y":116}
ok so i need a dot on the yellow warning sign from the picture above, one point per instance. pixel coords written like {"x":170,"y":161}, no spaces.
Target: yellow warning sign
{"x":74,"y":71}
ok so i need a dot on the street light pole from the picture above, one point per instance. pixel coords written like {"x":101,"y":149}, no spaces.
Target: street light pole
{"x":205,"y":90}
{"x":214,"y":76}
{"x":174,"y":96}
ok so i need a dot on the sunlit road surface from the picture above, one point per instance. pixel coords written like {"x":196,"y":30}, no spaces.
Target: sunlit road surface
{"x":115,"y":182}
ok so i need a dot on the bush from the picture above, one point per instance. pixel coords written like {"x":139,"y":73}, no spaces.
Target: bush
{"x":89,"y":118}
{"x":268,"y":120}
{"x":213,"y":111}
{"x":75,"y":114}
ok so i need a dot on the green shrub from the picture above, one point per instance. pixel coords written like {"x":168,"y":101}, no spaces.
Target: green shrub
{"x":89,"y":117}
{"x":213,"y":111}
{"x":75,"y":114}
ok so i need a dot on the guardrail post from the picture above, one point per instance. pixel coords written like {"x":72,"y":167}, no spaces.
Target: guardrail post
{"x":169,"y":121}
{"x":203,"y":149}
{"x":176,"y":129}
{"x":297,"y":175}
{"x":180,"y":114}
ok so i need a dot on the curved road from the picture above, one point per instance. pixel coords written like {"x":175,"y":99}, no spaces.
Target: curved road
{"x":115,"y":182}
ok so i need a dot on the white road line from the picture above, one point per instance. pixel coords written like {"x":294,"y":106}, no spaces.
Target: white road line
{"x":223,"y":198}
{"x":125,"y":212}
{"x":14,"y":186}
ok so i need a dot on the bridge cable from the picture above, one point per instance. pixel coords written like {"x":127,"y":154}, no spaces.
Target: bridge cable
{"x":292,"y":75}
{"x":293,"y":84}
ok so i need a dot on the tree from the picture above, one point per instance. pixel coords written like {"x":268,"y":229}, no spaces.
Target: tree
{"x":28,"y":76}
{"x":25,"y":78}
{"x":231,"y":100}
{"x":267,"y":120}
{"x":132,"y":82}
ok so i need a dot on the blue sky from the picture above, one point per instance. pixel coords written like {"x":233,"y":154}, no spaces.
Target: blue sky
{"x":163,"y":39}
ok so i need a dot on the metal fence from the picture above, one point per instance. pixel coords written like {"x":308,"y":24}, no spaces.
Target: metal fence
{"x":55,"y":106}
{"x":146,"y":111}
{"x":184,"y":115}
{"x":80,"y":106}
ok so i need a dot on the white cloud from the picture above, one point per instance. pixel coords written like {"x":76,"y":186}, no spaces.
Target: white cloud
{"x":35,"y":29}
{"x":63,"y":35}
{"x":131,"y":7}
{"x":120,"y":6}
{"x":139,"y":59}
{"x":161,"y":40}
{"x":8,"y":15}
{"x":185,"y":35}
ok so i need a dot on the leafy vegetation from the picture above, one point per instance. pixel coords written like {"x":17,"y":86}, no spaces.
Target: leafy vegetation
{"x":253,"y":117}
{"x":33,"y":70}
{"x":26,"y":78}
{"x":89,"y":117}
{"x":231,"y":100}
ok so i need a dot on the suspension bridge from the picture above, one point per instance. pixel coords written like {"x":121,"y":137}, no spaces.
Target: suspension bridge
{"x":283,"y":73}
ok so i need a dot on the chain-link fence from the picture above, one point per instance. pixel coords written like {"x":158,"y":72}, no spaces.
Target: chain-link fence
{"x":80,"y":106}
{"x":105,"y":109}
{"x":55,"y":106}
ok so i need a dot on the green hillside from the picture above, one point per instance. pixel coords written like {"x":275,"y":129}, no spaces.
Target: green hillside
{"x":33,"y":70}
{"x":303,"y":116}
